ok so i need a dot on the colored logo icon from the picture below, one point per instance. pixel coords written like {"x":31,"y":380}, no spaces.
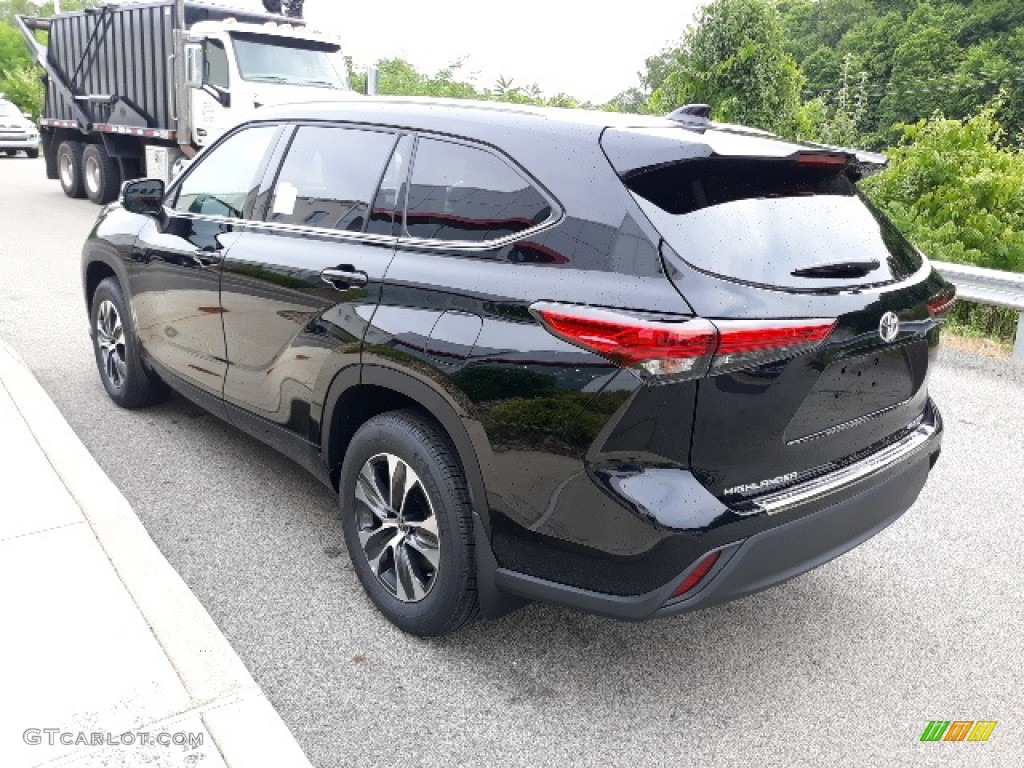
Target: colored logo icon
{"x":958,"y":730}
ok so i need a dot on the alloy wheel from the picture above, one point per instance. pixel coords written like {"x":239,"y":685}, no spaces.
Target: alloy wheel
{"x":110,"y":340}
{"x":397,"y":527}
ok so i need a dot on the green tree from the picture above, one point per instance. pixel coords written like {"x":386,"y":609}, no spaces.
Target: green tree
{"x":956,"y":191}
{"x":735,"y":60}
{"x":923,"y":77}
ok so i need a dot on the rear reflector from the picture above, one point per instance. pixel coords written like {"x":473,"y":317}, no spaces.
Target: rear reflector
{"x":697,"y":574}
{"x":684,"y":348}
{"x":939,"y":306}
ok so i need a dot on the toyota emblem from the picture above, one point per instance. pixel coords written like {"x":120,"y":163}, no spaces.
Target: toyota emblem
{"x":889,"y":327}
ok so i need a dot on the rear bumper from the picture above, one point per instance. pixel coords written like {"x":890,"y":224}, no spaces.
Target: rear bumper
{"x":859,"y":509}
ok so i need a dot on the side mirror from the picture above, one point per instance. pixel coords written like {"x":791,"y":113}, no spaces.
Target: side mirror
{"x":28,"y":116}
{"x":194,"y":65}
{"x":143,"y":196}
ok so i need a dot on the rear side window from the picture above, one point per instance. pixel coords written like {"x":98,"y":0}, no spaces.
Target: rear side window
{"x":458,"y":192}
{"x":329,"y":177}
{"x":221,"y":183}
{"x":762,"y":220}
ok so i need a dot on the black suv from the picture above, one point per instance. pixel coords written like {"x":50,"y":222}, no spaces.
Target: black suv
{"x":632,"y":365}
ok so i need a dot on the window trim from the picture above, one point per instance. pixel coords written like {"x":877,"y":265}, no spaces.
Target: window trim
{"x":290,"y":127}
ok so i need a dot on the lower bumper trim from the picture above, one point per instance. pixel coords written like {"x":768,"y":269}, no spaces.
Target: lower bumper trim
{"x":758,"y":562}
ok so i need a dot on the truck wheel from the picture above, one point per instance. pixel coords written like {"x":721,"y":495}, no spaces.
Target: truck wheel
{"x":32,"y":153}
{"x":69,"y":166}
{"x":101,"y":175}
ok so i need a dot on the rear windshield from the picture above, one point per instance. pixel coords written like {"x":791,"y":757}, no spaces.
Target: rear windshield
{"x":761,"y":221}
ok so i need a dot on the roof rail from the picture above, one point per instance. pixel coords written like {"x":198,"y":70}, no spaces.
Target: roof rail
{"x":692,"y":114}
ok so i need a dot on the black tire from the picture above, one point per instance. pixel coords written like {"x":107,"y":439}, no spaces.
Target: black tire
{"x":10,"y":152}
{"x":450,"y":600}
{"x":69,"y":168}
{"x":32,"y":153}
{"x":118,"y":355}
{"x":100,"y":174}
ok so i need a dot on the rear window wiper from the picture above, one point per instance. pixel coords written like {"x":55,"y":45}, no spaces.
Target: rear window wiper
{"x":838,"y":269}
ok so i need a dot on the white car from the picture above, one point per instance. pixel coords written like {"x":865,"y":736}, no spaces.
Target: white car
{"x":17,"y":132}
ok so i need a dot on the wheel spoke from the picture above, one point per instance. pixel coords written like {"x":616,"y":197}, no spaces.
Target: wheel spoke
{"x":378,"y":545}
{"x":401,"y":479}
{"x":426,"y":546}
{"x":368,"y":492}
{"x":121,"y":366}
{"x":426,"y":527}
{"x":409,"y":585}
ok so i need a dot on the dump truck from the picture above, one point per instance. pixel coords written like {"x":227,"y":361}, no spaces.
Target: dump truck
{"x":137,"y":89}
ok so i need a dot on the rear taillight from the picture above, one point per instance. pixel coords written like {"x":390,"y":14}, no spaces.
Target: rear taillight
{"x":746,"y":343}
{"x":939,"y":305}
{"x":659,"y":347}
{"x":697,"y":574}
{"x":685,"y":348}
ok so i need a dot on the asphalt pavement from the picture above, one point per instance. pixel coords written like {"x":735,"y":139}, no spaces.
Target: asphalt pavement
{"x":843,"y":666}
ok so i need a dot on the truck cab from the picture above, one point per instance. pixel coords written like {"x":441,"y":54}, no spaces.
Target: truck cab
{"x":138,"y":89}
{"x":233,"y":68}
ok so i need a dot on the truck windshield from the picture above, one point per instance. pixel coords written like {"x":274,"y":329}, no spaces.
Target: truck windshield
{"x":278,"y":59}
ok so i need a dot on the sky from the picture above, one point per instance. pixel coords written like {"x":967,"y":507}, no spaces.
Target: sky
{"x":589,"y":50}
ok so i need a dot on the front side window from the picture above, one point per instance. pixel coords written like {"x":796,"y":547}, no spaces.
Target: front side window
{"x":222,"y":181}
{"x":329,"y":177}
{"x":459,"y":192}
{"x":215,"y":65}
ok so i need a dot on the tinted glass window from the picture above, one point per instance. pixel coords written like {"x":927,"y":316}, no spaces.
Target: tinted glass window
{"x":222,"y":181}
{"x":387,"y":205}
{"x":760,"y":221}
{"x":215,"y":64}
{"x":278,"y":59}
{"x":329,"y":177}
{"x":462,"y":193}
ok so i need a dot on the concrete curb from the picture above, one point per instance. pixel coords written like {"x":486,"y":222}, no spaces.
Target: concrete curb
{"x":244,"y":724}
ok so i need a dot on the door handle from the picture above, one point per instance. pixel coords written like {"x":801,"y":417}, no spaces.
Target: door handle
{"x":344,"y":276}
{"x":208,"y":257}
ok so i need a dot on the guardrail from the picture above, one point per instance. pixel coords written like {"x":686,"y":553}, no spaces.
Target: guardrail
{"x":989,"y":286}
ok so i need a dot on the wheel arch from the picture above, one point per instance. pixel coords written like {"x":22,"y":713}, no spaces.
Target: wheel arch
{"x":362,"y":392}
{"x":95,"y":269}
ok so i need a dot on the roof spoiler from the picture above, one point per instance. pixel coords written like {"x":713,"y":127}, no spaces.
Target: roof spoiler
{"x":862,"y":162}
